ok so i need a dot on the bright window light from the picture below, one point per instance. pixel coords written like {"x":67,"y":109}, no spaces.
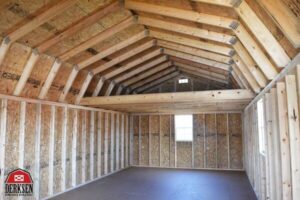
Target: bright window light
{"x":184,"y":128}
{"x":183,"y":80}
{"x":261,"y":126}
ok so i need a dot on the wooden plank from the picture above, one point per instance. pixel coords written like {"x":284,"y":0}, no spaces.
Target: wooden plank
{"x":201,"y":96}
{"x":179,"y":13}
{"x":113,"y":49}
{"x":84,"y":87}
{"x":97,"y":38}
{"x":263,"y":35}
{"x":284,"y":141}
{"x":238,"y":80}
{"x":120,"y":89}
{"x":3,"y":130}
{"x":285,"y":19}
{"x":255,"y":51}
{"x":135,"y":140}
{"x":80,"y":25}
{"x":83,"y":146}
{"x":22,"y":134}
{"x":110,"y":88}
{"x":5,"y":45}
{"x":117,"y":159}
{"x":127,"y":140}
{"x":37,"y":150}
{"x":138,"y":70}
{"x":293,"y":120}
{"x":74,"y":147}
{"x":26,"y":72}
{"x":192,"y":43}
{"x":197,"y":59}
{"x":64,"y":148}
{"x":69,"y":83}
{"x":112,"y":142}
{"x":51,"y":151}
{"x":188,"y":30}
{"x":123,"y":132}
{"x":50,"y":78}
{"x":226,"y":3}
{"x":106,"y":144}
{"x":92,"y":133}
{"x":194,"y":51}
{"x":98,"y":87}
{"x":40,"y":19}
{"x":99,"y":144}
{"x":250,"y":64}
{"x":148,"y":73}
{"x":241,"y":76}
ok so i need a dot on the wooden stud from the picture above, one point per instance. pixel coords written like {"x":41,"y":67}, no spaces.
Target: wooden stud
{"x":69,"y":83}
{"x":74,"y":147}
{"x":51,"y":151}
{"x":127,"y":141}
{"x":84,"y":87}
{"x":3,"y":126}
{"x":140,"y":142}
{"x":92,"y":133}
{"x":22,"y":134}
{"x":293,"y":120}
{"x":98,"y":87}
{"x":26,"y":72}
{"x":131,"y":141}
{"x":98,"y":38}
{"x":51,"y":75}
{"x":112,"y":49}
{"x":64,"y":148}
{"x":37,"y":150}
{"x":263,"y":35}
{"x":106,"y":144}
{"x":117,"y":159}
{"x":122,"y":140}
{"x":99,"y":144}
{"x":112,"y":142}
{"x":83,"y":146}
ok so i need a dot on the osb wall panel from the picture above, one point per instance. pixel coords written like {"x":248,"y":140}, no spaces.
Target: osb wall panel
{"x":12,"y":144}
{"x":199,"y":140}
{"x":165,"y":141}
{"x":217,"y":142}
{"x":210,"y":141}
{"x":136,"y":122}
{"x":144,"y":140}
{"x":154,"y":140}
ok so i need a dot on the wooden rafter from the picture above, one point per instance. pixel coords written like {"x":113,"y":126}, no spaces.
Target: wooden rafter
{"x":79,"y":25}
{"x":226,"y":3}
{"x":98,"y":87}
{"x":110,"y":88}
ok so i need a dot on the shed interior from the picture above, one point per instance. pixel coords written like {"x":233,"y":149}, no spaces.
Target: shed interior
{"x":90,"y":91}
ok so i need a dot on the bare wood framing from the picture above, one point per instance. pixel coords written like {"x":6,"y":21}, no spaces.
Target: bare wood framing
{"x":74,"y":147}
{"x":112,"y":142}
{"x":51,"y":151}
{"x":106,"y":144}
{"x":226,"y":3}
{"x":122,"y":140}
{"x":99,"y":144}
{"x":5,"y":45}
{"x":69,"y":83}
{"x":37,"y":150}
{"x":110,"y":88}
{"x":92,"y":133}
{"x":2,"y":143}
{"x":117,"y":159}
{"x":98,"y":87}
{"x":22,"y":134}
{"x":83,"y":146}
{"x":84,"y":87}
{"x":64,"y":148}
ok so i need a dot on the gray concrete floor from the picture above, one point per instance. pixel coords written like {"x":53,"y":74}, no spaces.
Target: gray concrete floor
{"x":166,"y":184}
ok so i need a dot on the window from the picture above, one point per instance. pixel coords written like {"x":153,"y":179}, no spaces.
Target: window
{"x":183,"y":80}
{"x":261,"y":126}
{"x":184,"y":128}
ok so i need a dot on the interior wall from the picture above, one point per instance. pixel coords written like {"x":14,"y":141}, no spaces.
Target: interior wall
{"x":217,"y":142}
{"x":275,"y":174}
{"x":61,"y":145}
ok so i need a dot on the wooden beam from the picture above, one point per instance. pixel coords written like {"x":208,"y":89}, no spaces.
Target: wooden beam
{"x":238,"y":80}
{"x":188,"y":30}
{"x":80,"y":25}
{"x":84,"y":87}
{"x":98,"y":38}
{"x":255,"y":51}
{"x":197,"y":59}
{"x":74,"y":147}
{"x":112,"y":49}
{"x":153,"y":77}
{"x":179,"y":13}
{"x":38,"y":20}
{"x":124,"y":56}
{"x":92,"y":134}
{"x":98,"y":87}
{"x":194,"y":51}
{"x":51,"y":75}
{"x":148,"y":73}
{"x":100,"y":130}
{"x":110,"y":88}
{"x":26,"y":72}
{"x":5,"y":45}
{"x":202,"y":96}
{"x":106,"y":130}
{"x":3,"y":130}
{"x":51,"y":151}
{"x":141,"y":69}
{"x":120,"y":89}
{"x":69,"y":83}
{"x":192,"y":43}
{"x":225,"y":3}
{"x":250,"y":64}
{"x":134,"y":63}
{"x":294,"y":132}
{"x":112,"y":141}
{"x":156,"y":82}
{"x":64,"y":149}
{"x":263,"y":35}
{"x":285,"y":19}
{"x":202,"y":75}
{"x":249,"y":77}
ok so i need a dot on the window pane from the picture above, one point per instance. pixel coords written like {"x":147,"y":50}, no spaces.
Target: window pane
{"x":184,"y":127}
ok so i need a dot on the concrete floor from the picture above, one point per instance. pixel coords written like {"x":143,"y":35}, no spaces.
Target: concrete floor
{"x":166,"y":184}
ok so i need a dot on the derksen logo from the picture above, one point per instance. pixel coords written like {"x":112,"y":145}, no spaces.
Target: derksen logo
{"x":19,"y":183}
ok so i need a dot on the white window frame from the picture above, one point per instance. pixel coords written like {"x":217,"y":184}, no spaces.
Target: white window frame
{"x":189,"y":126}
